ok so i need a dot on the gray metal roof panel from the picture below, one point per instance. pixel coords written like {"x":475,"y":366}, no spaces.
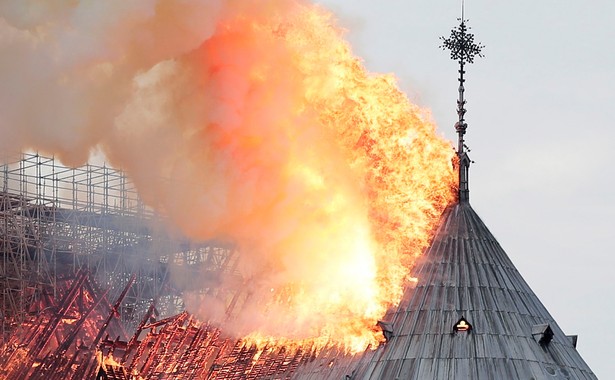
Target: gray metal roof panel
{"x":465,"y":273}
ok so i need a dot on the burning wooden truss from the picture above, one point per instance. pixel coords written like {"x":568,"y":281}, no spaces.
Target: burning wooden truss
{"x":82,"y":337}
{"x":50,"y":342}
{"x":68,"y":233}
{"x":55,"y":221}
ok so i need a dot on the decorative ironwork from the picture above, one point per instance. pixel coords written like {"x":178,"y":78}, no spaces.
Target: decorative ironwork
{"x":463,"y":49}
{"x":461,"y":44}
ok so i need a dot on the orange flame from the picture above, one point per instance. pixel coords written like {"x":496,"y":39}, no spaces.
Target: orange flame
{"x":329,"y":179}
{"x":268,"y":131}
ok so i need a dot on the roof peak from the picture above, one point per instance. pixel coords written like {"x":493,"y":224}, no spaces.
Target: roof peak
{"x":463,"y":49}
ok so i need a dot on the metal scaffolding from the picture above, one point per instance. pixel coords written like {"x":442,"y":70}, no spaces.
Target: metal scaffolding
{"x":56,"y":221}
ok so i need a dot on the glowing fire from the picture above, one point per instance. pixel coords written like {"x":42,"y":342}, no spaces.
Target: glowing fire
{"x":268,"y":132}
{"x":333,"y":180}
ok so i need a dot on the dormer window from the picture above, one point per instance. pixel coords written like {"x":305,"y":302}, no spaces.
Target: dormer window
{"x":387,"y":329}
{"x":542,"y":333}
{"x":462,"y":325}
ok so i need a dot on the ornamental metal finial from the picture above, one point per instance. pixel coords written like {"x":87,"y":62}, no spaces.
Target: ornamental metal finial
{"x":461,"y":44}
{"x":463,"y":49}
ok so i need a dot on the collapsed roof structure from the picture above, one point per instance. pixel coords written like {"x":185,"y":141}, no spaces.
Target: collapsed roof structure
{"x":86,"y":291}
{"x":84,"y":297}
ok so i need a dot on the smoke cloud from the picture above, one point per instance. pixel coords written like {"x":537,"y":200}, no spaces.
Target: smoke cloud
{"x":249,"y":121}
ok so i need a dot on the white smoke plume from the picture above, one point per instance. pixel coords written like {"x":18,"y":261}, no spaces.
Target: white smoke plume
{"x":67,"y":66}
{"x":243,"y":120}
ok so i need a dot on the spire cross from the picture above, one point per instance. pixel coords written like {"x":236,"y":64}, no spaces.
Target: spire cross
{"x":463,"y":49}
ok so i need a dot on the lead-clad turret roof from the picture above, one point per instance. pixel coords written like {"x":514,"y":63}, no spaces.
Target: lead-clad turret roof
{"x":465,"y":275}
{"x":471,"y":315}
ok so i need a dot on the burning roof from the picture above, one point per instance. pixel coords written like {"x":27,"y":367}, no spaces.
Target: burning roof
{"x":71,"y":338}
{"x":240,"y":121}
{"x":469,"y":314}
{"x":251,"y":122}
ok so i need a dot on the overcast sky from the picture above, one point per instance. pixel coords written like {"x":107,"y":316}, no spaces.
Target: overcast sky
{"x":540,"y":126}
